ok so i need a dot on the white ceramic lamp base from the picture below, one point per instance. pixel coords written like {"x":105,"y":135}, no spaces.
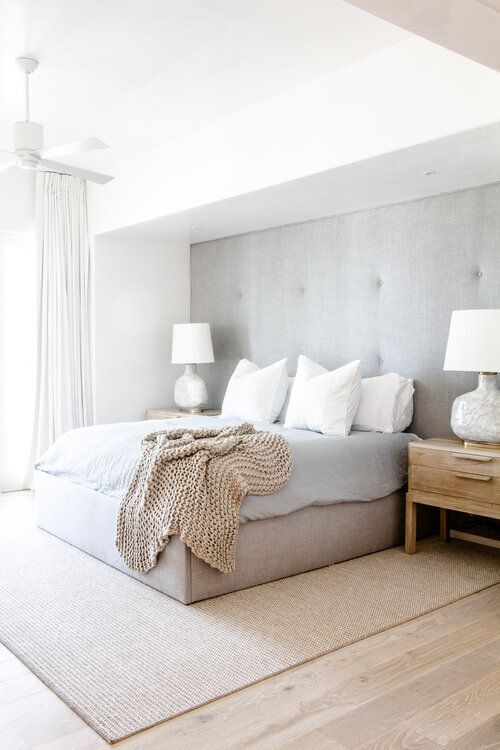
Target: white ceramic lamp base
{"x":475,"y":416}
{"x":190,"y":392}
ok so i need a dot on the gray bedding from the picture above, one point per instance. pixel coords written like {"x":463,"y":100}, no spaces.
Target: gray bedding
{"x":363,"y":466}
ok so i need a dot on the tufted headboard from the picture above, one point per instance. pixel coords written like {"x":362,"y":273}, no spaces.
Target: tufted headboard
{"x":378,"y":285}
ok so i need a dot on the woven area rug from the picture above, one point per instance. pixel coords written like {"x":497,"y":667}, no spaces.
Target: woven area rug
{"x":126,"y":657}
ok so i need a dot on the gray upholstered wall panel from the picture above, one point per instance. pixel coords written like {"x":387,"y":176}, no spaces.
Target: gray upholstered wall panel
{"x":378,"y":285}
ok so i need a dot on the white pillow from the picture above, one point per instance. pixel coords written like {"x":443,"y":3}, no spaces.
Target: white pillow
{"x":284,"y":408}
{"x":386,"y":404}
{"x":404,"y":410}
{"x":254,"y":393}
{"x":324,"y":401}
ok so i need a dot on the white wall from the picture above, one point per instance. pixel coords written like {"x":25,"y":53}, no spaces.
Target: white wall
{"x":406,"y":94}
{"x":17,"y":201}
{"x":142,"y":287}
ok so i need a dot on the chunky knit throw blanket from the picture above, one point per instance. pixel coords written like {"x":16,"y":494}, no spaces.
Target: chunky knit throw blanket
{"x":191,"y":483}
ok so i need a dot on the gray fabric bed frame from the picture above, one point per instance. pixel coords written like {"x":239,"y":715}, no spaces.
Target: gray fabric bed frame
{"x":378,"y":285}
{"x":267,"y":550}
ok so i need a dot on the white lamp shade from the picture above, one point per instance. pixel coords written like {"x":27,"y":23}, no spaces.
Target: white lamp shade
{"x":191,"y":344}
{"x":474,"y":341}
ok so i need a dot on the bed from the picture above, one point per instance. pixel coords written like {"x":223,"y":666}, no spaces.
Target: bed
{"x":344,"y":499}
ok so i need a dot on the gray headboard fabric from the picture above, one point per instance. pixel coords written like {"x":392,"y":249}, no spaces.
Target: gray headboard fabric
{"x":379,"y":285}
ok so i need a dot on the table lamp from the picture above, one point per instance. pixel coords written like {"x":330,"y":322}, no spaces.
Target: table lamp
{"x":474,"y":346}
{"x":191,"y":345}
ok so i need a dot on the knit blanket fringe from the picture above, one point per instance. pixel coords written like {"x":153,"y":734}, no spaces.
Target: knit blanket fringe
{"x":191,"y":483}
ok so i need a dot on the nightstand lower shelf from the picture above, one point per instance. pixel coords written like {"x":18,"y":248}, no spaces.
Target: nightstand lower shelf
{"x":444,"y":503}
{"x":465,"y":536}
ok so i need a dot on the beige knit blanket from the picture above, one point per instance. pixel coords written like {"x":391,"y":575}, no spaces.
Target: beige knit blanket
{"x":191,"y":483}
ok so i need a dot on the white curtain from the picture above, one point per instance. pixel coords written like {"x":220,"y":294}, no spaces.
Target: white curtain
{"x":64,"y":391}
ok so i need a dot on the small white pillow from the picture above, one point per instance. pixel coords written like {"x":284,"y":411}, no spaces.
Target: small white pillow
{"x":404,"y":409}
{"x":386,"y":404}
{"x":324,"y":401}
{"x":256,"y":394}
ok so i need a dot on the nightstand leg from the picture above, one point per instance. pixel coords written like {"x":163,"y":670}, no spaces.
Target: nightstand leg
{"x":411,"y":528}
{"x":444,"y":533}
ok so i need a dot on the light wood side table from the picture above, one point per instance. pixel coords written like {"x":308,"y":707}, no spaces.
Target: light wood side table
{"x":172,"y":412}
{"x":449,"y":476}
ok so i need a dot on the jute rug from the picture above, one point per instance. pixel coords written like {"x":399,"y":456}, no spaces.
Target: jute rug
{"x":125,"y":657}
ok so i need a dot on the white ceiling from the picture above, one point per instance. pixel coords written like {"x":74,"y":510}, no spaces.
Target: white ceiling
{"x":469,"y":27}
{"x":138,"y":73}
{"x":456,"y":162}
{"x":141,"y":73}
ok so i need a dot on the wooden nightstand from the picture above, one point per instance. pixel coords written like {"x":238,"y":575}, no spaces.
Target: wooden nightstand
{"x":172,"y":412}
{"x":445,"y":474}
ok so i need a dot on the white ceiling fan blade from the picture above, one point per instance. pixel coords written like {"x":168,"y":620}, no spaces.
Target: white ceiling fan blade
{"x":75,"y":147}
{"x":55,"y":166}
{"x":7,"y":164}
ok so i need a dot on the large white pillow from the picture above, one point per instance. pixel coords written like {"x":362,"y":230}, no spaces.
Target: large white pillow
{"x":324,"y":401}
{"x":254,"y":393}
{"x":386,"y":404}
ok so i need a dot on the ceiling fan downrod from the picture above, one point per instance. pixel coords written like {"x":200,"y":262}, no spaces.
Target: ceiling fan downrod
{"x":28,"y":136}
{"x":26,"y":65}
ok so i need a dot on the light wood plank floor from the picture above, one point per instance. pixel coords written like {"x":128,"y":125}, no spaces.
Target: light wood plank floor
{"x":429,"y":684}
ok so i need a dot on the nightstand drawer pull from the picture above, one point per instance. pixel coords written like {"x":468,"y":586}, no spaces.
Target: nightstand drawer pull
{"x":463,"y":475}
{"x":467,"y":457}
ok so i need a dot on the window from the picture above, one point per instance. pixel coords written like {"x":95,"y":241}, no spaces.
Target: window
{"x":17,"y":356}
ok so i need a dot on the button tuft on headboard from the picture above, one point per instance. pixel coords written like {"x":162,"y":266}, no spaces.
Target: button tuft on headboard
{"x":479,"y":273}
{"x":380,"y":282}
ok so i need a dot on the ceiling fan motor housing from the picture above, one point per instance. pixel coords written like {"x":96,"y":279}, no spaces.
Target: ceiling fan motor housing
{"x":28,"y":136}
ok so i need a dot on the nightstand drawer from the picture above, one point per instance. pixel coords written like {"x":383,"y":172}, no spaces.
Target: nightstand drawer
{"x":459,"y":460}
{"x":469,"y":484}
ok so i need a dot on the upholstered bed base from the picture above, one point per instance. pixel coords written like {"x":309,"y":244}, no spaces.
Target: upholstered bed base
{"x":267,"y":550}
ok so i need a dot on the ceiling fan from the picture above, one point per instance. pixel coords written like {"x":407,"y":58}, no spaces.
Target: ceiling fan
{"x":28,"y":142}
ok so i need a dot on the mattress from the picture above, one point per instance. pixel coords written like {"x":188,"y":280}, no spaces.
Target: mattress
{"x":361,"y":467}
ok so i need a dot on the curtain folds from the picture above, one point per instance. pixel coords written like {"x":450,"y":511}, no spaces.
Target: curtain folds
{"x":64,"y":391}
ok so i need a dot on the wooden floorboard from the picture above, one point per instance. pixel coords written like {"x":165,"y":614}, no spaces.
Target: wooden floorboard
{"x":366,"y":722}
{"x":464,"y":711}
{"x":429,"y":684}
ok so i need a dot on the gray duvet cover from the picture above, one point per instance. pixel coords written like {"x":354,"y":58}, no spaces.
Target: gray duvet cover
{"x":360,"y":467}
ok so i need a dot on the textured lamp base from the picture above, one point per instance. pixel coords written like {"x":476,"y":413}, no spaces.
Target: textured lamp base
{"x":475,"y":416}
{"x":190,"y":392}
